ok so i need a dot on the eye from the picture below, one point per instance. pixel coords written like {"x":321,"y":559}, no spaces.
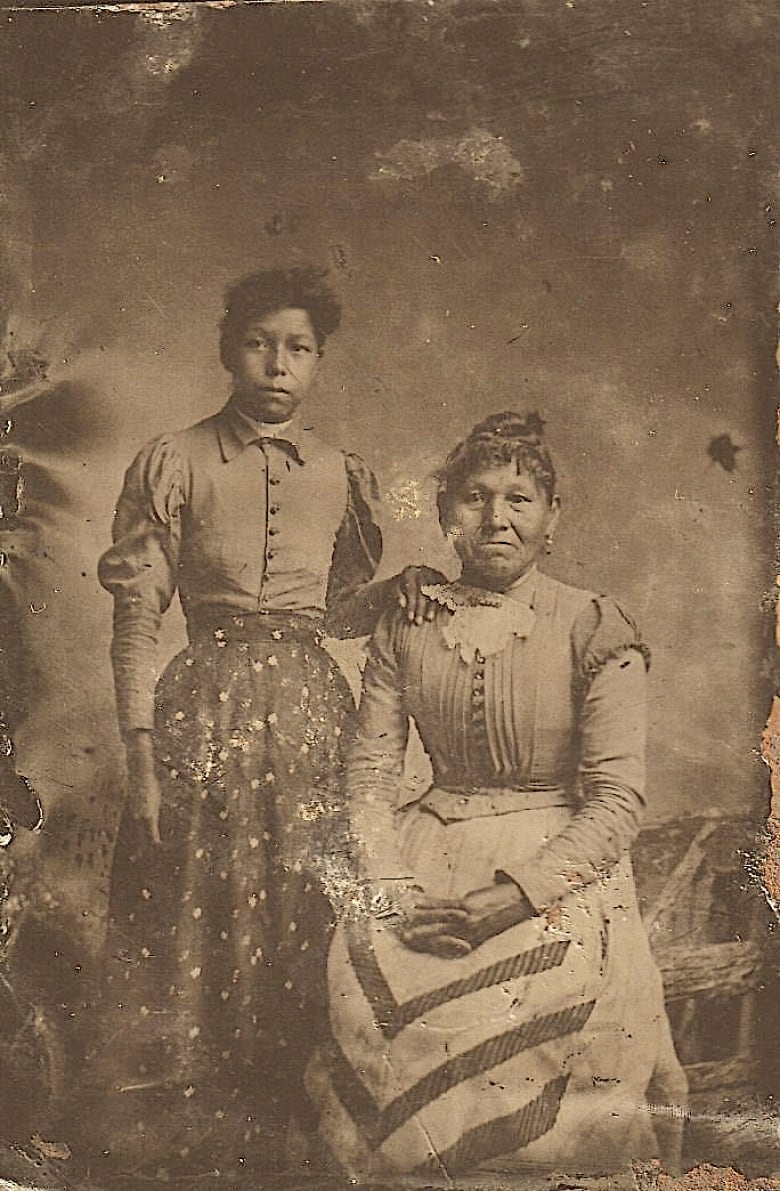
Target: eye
{"x":474,"y":497}
{"x":518,"y":499}
{"x":302,"y":347}
{"x":256,"y":343}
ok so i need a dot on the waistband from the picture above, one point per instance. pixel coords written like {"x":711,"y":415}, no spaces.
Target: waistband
{"x":223,"y":625}
{"x":453,"y":804}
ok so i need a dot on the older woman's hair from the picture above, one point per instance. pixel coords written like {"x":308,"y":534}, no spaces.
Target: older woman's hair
{"x":302,"y":288}
{"x":500,"y":439}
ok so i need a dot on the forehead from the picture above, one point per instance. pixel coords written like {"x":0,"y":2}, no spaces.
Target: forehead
{"x":503,"y":478}
{"x":285,"y":321}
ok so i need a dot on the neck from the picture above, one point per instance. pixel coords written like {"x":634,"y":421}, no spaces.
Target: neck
{"x":475,"y":580}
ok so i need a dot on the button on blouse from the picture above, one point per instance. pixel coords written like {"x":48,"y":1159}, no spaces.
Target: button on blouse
{"x":196,"y":516}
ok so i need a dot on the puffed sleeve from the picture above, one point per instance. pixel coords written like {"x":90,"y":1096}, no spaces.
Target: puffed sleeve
{"x":375,"y":757}
{"x":353,"y":607}
{"x":612,"y":664}
{"x":140,"y":572}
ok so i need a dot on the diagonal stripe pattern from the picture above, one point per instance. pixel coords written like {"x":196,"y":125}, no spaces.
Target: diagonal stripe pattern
{"x":392,"y":1017}
{"x":379,"y":1124}
{"x":502,"y":1135}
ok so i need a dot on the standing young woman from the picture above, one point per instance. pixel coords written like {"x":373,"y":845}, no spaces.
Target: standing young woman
{"x":219,"y":924}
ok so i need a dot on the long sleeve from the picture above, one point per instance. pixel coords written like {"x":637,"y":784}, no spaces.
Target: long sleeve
{"x":353,"y":603}
{"x":375,"y":759}
{"x":139,"y":570}
{"x":612,"y":725}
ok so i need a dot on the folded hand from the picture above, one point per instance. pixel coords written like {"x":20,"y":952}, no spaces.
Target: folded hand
{"x":493,"y":909}
{"x":430,"y":924}
{"x":450,"y":927}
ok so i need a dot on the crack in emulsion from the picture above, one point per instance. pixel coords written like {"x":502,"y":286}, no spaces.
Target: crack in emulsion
{"x":768,"y":864}
{"x":166,"y":8}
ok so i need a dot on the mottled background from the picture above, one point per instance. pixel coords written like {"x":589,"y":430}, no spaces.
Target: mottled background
{"x":566,"y":206}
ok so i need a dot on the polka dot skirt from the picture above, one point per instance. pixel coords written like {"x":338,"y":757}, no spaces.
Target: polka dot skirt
{"x":218,"y":938}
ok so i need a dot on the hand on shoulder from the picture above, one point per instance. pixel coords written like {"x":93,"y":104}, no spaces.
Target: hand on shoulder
{"x":410,"y":596}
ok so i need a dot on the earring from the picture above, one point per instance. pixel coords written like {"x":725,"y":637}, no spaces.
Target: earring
{"x":548,"y":543}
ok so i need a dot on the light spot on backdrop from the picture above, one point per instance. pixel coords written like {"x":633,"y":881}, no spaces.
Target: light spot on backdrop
{"x":484,"y":157}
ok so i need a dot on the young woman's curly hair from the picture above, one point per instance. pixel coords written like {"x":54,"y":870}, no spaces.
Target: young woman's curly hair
{"x":302,"y":288}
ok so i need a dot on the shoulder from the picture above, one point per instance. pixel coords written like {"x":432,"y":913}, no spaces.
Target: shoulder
{"x":604,"y":630}
{"x":568,"y":601}
{"x":600,"y":627}
{"x":174,"y":446}
{"x":314,"y":447}
{"x":361,"y":478}
{"x":356,"y":466}
{"x":157,"y":455}
{"x":158,"y":474}
{"x":200,"y":441}
{"x":362,"y":485}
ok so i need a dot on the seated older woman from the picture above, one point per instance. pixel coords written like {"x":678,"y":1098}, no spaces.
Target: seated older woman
{"x":500,"y":1007}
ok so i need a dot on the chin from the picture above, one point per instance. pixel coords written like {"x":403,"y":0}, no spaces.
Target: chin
{"x":258,"y":406}
{"x":274,"y":415}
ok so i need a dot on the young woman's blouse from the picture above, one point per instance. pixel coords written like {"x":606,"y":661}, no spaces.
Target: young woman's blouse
{"x":236,"y":522}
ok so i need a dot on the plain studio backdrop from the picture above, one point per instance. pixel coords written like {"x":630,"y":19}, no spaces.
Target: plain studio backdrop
{"x":548,"y":205}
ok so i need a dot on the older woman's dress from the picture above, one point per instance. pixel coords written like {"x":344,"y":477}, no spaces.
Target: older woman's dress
{"x":218,"y":937}
{"x":549,"y":1043}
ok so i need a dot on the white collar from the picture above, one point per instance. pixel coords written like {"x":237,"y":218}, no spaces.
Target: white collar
{"x":483,"y":622}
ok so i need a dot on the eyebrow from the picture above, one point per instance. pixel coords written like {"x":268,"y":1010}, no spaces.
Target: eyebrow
{"x":261,"y":332}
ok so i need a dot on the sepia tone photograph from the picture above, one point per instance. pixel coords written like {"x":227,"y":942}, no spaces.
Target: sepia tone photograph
{"x":388,"y":556}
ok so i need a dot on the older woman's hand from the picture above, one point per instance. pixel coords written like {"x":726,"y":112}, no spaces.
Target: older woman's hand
{"x":429,"y":924}
{"x":410,"y":596}
{"x":436,"y":926}
{"x":494,"y":909}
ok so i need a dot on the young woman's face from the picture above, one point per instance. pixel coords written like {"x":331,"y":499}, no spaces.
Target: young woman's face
{"x":498,"y":520}
{"x":275,"y":363}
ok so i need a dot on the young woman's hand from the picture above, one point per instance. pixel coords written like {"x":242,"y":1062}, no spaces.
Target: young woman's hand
{"x":418,"y":607}
{"x":493,"y":909}
{"x":142,"y":786}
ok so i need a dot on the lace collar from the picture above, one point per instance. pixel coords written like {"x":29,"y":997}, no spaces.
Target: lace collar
{"x":483,"y":622}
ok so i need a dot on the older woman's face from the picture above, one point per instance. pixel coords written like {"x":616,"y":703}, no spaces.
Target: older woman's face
{"x":498,"y":521}
{"x":275,"y":364}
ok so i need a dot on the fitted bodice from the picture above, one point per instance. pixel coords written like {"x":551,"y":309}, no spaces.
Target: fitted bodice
{"x":237,"y":522}
{"x":506,"y":719}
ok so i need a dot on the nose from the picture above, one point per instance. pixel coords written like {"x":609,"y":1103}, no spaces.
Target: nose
{"x":274,"y":361}
{"x":495,"y":516}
